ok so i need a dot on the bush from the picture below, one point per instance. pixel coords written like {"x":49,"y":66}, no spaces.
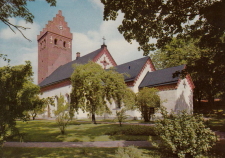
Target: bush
{"x":133,"y":130}
{"x":184,"y":134}
{"x":62,"y":115}
{"x":128,"y":152}
{"x":121,"y":116}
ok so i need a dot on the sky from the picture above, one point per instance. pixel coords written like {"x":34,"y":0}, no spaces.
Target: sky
{"x":85,"y":19}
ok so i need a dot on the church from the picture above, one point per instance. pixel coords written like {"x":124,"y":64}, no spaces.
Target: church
{"x":55,"y":66}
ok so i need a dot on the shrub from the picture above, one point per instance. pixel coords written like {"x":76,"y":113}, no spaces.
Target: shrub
{"x":121,"y":116}
{"x":184,"y":134}
{"x":62,"y":115}
{"x":147,"y":101}
{"x":133,"y":130}
{"x":128,"y":152}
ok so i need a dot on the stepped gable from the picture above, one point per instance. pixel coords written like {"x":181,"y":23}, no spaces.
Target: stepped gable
{"x":57,"y":26}
{"x":65,"y":71}
{"x":132,"y":68}
{"x":161,"y":77}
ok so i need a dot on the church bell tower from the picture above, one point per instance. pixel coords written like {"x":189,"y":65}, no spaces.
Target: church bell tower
{"x":54,"y":46}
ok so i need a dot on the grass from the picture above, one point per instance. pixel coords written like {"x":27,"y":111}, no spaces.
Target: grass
{"x":217,"y":124}
{"x":73,"y":152}
{"x":216,"y":152}
{"x":48,"y":131}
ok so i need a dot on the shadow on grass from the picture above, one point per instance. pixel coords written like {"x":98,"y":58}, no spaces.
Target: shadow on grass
{"x":48,"y":131}
{"x":58,"y":152}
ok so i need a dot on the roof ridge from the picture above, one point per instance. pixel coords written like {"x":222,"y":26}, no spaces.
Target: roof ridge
{"x":134,"y":60}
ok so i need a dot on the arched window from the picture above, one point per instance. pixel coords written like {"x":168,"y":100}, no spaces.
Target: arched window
{"x":64,"y":44}
{"x":55,"y":41}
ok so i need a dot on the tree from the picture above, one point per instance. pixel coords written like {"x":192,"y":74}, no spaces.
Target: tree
{"x":16,"y":91}
{"x":62,"y":114}
{"x":177,"y":52}
{"x":121,"y":115}
{"x":184,"y":134}
{"x":201,"y":65}
{"x":93,"y":87}
{"x":147,"y":101}
{"x":18,"y":8}
{"x":39,"y":105}
{"x":163,"y":20}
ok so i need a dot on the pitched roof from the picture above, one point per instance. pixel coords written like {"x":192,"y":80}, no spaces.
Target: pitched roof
{"x":65,"y":71}
{"x":161,"y":77}
{"x":132,"y":68}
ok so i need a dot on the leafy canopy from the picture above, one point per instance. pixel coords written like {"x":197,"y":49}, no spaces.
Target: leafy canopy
{"x":17,"y":8}
{"x":184,"y":134}
{"x":147,"y":99}
{"x":162,"y":20}
{"x":18,"y":94}
{"x":93,"y":87}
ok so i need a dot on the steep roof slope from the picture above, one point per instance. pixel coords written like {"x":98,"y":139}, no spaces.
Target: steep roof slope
{"x":161,"y":77}
{"x":64,"y":72}
{"x":132,"y":68}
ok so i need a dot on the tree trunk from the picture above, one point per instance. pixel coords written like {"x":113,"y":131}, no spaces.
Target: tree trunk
{"x":146,"y":114}
{"x":93,"y":119}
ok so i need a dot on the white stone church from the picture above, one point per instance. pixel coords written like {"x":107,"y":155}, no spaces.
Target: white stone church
{"x":55,"y":66}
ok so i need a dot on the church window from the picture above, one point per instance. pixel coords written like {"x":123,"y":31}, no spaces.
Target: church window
{"x":55,"y":41}
{"x":64,"y":44}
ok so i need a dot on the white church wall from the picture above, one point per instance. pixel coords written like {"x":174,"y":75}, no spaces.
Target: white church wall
{"x":135,"y":88}
{"x":168,"y":99}
{"x":184,"y":99}
{"x":65,"y":90}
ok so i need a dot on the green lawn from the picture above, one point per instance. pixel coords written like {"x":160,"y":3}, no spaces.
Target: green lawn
{"x":48,"y":131}
{"x":72,"y":152}
{"x":216,"y":124}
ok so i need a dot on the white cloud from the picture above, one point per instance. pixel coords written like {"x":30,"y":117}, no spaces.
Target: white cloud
{"x":121,"y":50}
{"x":97,"y":3}
{"x":30,"y":33}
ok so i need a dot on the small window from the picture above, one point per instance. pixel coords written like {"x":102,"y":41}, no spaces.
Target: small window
{"x":64,"y":44}
{"x":55,"y":41}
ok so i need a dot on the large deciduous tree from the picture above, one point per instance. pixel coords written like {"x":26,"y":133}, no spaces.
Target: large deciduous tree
{"x":17,"y":8}
{"x":93,"y":87}
{"x":162,"y":20}
{"x":16,"y":96}
{"x":207,"y":74}
{"x":147,"y":100}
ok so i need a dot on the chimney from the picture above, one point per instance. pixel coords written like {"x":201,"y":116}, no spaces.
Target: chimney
{"x":78,"y":55}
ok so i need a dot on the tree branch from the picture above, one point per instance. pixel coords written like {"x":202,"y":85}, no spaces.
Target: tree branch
{"x":17,"y":27}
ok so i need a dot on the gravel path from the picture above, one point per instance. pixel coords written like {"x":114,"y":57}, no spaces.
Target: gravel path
{"x":108,"y":144}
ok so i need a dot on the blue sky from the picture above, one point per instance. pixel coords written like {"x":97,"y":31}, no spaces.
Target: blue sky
{"x":85,"y":19}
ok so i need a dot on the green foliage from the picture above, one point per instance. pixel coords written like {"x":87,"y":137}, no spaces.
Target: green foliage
{"x":121,"y":116}
{"x":40,"y":106}
{"x":93,"y":87}
{"x":177,"y":52}
{"x":184,"y":134}
{"x":62,"y":114}
{"x":137,"y":130}
{"x":162,"y":20}
{"x":128,"y":152}
{"x":17,"y":93}
{"x":18,"y":8}
{"x":147,"y":98}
